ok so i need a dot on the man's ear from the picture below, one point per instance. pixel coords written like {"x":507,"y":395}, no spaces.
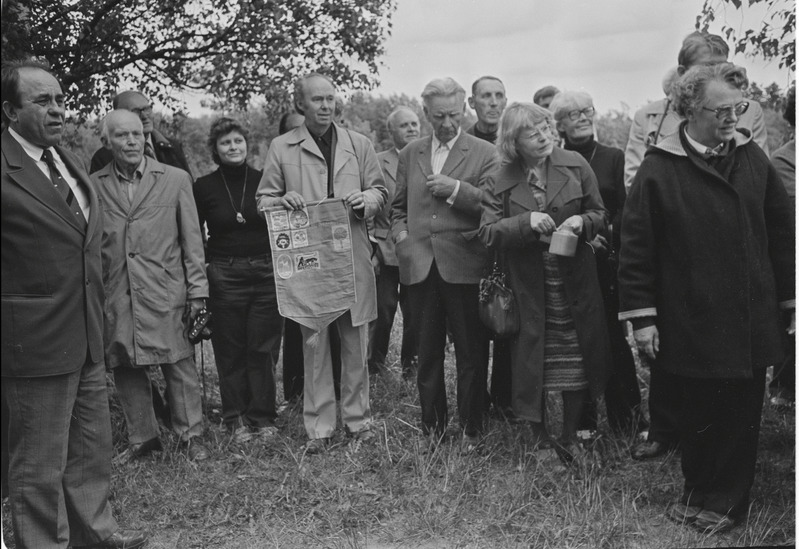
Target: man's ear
{"x":10,"y":111}
{"x":471,"y":102}
{"x":104,"y":141}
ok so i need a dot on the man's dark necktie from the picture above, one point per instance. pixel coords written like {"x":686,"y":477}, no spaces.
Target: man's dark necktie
{"x":149,"y":151}
{"x":62,"y":186}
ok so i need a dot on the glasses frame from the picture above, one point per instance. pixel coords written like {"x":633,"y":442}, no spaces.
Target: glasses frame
{"x":537,"y":132}
{"x":725,"y":112}
{"x":575,"y":115}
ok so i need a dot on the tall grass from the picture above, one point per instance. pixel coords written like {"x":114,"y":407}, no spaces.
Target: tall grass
{"x":393,"y":493}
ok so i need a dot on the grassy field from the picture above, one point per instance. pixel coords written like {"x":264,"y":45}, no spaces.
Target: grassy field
{"x":389,"y":493}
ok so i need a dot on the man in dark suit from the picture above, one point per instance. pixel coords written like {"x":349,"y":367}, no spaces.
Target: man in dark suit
{"x":403,"y":124}
{"x":434,"y":221}
{"x":489,"y":101}
{"x":156,"y":145}
{"x":52,"y":328}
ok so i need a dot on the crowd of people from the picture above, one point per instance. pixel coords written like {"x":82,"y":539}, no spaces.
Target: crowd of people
{"x":687,"y":236}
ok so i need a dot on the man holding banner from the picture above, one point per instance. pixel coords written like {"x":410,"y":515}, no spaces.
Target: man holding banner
{"x":320,"y":183}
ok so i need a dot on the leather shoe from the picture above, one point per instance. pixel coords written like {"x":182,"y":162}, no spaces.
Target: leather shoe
{"x":711,"y":522}
{"x":317,"y":445}
{"x":196,"y":450}
{"x":682,"y":513}
{"x":141,"y":449}
{"x":121,"y":539}
{"x":648,"y":450}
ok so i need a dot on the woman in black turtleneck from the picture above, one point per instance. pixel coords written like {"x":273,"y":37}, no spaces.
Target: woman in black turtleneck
{"x":246,"y":324}
{"x":574,"y":118}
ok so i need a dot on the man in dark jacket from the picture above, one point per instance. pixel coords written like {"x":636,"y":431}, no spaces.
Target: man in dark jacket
{"x":59,"y":437}
{"x":156,"y":145}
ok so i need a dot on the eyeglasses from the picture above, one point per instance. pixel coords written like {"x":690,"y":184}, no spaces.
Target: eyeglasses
{"x":542,"y":130}
{"x":726,"y":111}
{"x":143,"y":110}
{"x":575,"y":114}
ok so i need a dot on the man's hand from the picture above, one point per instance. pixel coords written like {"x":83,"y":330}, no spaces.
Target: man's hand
{"x":401,"y":236}
{"x":441,"y":186}
{"x":193,"y":308}
{"x":293,"y":200}
{"x":574,"y":224}
{"x":648,"y":341}
{"x":355,"y":200}
{"x":542,"y":223}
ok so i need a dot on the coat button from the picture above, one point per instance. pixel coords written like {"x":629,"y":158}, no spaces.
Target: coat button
{"x":87,"y":281}
{"x":433,"y":235}
{"x":131,"y":254}
{"x":435,"y":216}
{"x":554,"y":209}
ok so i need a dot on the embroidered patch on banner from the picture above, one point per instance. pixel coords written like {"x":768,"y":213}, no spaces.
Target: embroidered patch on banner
{"x":282,"y":241}
{"x":298,"y":219}
{"x":280,"y":220}
{"x":284,"y":268}
{"x":341,"y":237}
{"x":304,"y":262}
{"x":299,"y":239}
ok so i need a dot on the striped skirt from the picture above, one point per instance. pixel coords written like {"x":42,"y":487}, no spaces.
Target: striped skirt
{"x":563,"y":362}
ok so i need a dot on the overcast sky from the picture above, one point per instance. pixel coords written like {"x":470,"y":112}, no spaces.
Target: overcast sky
{"x":616,"y":50}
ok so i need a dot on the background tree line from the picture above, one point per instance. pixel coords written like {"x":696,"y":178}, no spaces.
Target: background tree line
{"x":367,"y":114}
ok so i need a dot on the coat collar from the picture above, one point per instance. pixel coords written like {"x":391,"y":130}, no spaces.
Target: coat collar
{"x":557,"y":171}
{"x":24,"y":172}
{"x":345,"y":146}
{"x":389,"y":160}
{"x":673,"y":144}
{"x":457,"y":154}
{"x":107,"y":177}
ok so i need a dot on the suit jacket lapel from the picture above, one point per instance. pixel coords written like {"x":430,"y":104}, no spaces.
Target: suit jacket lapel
{"x":556,"y":178}
{"x":426,"y":156}
{"x":457,"y":155}
{"x":513,"y":178}
{"x":152,"y":170}
{"x":390,"y":163}
{"x":24,"y":171}
{"x":307,"y":142}
{"x":344,"y":150}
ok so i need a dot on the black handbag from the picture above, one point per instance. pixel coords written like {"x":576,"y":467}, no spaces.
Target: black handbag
{"x":497,"y":304}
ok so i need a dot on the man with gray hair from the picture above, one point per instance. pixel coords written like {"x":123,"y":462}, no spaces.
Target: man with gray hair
{"x":403,"y":125}
{"x":435,"y":217}
{"x":156,"y":145}
{"x":155,"y":285}
{"x":316,"y":161}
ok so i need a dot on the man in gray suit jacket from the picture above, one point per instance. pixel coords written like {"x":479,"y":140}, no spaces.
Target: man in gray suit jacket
{"x":403,"y":124}
{"x":436,"y":213}
{"x":53,"y":373}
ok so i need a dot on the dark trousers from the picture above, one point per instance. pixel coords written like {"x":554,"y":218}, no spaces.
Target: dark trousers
{"x":784,"y":381}
{"x":719,"y":428}
{"x":665,"y":403}
{"x":246,"y":338}
{"x":59,"y":444}
{"x":437,"y":305}
{"x":389,"y":294}
{"x":622,"y":394}
{"x":294,"y":365}
{"x":500,"y":374}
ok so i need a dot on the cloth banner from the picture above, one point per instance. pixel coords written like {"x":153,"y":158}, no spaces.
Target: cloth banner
{"x":313,"y":262}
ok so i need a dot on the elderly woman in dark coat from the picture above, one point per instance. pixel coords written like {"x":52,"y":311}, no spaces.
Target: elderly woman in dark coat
{"x":562,"y":344}
{"x":707,"y":262}
{"x":574,"y":119}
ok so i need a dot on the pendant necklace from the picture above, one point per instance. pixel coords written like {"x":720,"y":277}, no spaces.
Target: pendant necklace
{"x":239,"y":217}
